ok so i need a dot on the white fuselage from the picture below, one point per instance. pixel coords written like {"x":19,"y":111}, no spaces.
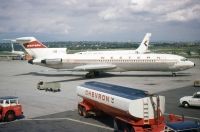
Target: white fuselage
{"x":109,"y":52}
{"x":123,"y":62}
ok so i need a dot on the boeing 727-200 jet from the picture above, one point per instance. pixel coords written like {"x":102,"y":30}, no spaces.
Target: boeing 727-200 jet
{"x":96,"y":63}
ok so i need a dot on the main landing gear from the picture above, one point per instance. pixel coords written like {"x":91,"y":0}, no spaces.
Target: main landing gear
{"x":92,"y":74}
{"x":173,"y":74}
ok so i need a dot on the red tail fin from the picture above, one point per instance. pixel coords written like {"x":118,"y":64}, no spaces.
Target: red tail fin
{"x":30,"y":42}
{"x":34,"y":44}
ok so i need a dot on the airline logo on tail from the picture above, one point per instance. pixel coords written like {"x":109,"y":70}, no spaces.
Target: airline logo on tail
{"x":145,"y":43}
{"x":34,"y":44}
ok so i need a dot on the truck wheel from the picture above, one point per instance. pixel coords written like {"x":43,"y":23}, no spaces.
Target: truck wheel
{"x":185,"y":104}
{"x":10,"y":116}
{"x":80,"y":110}
{"x":128,"y":129}
{"x":85,"y":113}
{"x":116,"y":125}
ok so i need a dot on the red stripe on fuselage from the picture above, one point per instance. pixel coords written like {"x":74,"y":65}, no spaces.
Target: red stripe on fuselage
{"x":34,"y":44}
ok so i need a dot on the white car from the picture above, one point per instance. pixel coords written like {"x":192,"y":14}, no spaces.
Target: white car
{"x":194,"y":100}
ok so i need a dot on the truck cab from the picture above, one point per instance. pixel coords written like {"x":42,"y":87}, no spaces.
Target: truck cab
{"x":10,"y":108}
{"x":194,"y":100}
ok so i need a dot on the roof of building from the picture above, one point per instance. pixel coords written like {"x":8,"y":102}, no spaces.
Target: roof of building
{"x":121,"y":91}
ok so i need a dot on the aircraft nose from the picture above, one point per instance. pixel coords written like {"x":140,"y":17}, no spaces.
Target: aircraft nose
{"x":192,"y":64}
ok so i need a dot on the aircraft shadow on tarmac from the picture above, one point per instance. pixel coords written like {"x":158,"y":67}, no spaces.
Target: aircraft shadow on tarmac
{"x":46,"y":74}
{"x":103,"y":74}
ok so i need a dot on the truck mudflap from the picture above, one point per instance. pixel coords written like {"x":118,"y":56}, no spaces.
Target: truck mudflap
{"x":84,"y":108}
{"x":86,"y":105}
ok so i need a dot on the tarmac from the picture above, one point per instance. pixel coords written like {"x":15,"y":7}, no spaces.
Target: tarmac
{"x":58,"y":111}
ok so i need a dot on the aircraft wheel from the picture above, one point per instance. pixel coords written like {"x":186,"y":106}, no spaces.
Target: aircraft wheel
{"x":173,"y":74}
{"x":96,"y":73}
{"x":90,"y":75}
{"x":87,"y":75}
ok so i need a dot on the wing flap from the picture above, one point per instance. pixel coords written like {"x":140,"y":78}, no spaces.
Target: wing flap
{"x":91,"y":67}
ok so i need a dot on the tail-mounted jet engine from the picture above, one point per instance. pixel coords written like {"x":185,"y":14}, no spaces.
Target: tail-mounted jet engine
{"x":52,"y":61}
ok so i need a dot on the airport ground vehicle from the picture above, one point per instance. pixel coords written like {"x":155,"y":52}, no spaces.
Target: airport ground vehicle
{"x":197,"y":83}
{"x":183,"y":126}
{"x":49,"y":86}
{"x":194,"y":100}
{"x":131,"y":109}
{"x":10,"y":108}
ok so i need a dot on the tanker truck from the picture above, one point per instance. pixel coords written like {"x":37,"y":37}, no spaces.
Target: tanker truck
{"x":132,"y":109}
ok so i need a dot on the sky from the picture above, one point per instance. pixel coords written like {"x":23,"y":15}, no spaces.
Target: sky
{"x":100,"y":20}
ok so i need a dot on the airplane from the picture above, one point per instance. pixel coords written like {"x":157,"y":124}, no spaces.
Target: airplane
{"x":94,"y":64}
{"x":143,"y":48}
{"x":13,"y":51}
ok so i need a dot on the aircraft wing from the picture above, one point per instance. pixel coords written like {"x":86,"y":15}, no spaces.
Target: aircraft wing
{"x":91,"y":67}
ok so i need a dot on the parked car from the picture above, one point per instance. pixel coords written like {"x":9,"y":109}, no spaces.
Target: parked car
{"x":194,"y":100}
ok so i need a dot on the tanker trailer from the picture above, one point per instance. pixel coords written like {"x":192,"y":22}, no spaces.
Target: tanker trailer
{"x":131,"y":109}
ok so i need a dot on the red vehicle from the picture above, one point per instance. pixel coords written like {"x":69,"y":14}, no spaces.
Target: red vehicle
{"x":133,"y":110}
{"x":10,"y":108}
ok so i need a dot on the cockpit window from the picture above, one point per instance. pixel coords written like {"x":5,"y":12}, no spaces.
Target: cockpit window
{"x":184,"y":59}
